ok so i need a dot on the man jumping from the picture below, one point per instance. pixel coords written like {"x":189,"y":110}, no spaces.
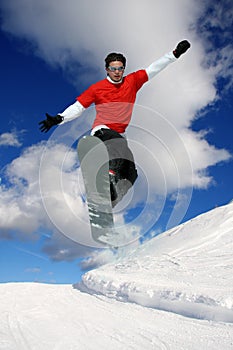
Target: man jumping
{"x":114,"y":99}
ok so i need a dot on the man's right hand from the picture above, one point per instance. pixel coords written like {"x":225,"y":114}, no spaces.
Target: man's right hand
{"x":49,"y":122}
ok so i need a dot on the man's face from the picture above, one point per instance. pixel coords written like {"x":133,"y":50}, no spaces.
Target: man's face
{"x":115,"y":70}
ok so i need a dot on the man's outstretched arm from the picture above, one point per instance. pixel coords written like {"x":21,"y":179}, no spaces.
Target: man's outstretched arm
{"x":168,"y":58}
{"x":70,"y":113}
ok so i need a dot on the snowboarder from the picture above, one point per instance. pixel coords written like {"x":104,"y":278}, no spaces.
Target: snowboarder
{"x":114,"y":98}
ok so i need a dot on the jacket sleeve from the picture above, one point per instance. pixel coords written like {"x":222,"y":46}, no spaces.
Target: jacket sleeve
{"x":160,"y":64}
{"x":72,"y":112}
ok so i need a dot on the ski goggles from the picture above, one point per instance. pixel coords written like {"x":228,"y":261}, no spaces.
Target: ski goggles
{"x":114,"y":69}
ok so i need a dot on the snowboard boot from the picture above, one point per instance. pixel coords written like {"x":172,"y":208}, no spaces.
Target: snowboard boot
{"x":113,"y":182}
{"x":121,"y":188}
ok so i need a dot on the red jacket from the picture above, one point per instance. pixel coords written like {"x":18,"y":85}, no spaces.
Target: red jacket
{"x":114,"y":102}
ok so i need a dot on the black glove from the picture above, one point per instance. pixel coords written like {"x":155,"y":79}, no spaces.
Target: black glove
{"x":49,"y":122}
{"x":181,"y":48}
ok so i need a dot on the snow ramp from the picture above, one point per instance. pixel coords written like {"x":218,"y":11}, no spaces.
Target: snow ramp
{"x":187,"y":270}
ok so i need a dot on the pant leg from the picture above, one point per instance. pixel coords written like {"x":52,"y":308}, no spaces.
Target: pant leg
{"x":121,"y":159}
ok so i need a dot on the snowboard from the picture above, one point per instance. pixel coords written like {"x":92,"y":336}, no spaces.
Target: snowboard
{"x":94,"y":162}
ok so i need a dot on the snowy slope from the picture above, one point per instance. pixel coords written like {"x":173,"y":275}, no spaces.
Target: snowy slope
{"x":175,"y":292}
{"x":187,"y":270}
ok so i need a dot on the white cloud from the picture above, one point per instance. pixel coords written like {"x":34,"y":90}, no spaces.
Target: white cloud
{"x":77,"y":36}
{"x":27,"y":204}
{"x":10,"y":139}
{"x":33,"y":270}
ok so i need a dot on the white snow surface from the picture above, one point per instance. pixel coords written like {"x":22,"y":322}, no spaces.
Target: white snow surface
{"x":173,"y":292}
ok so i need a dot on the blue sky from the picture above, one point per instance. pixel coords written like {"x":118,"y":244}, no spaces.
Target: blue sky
{"x":44,"y":66}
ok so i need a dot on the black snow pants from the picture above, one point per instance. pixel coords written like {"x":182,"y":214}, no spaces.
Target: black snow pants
{"x":121,"y":159}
